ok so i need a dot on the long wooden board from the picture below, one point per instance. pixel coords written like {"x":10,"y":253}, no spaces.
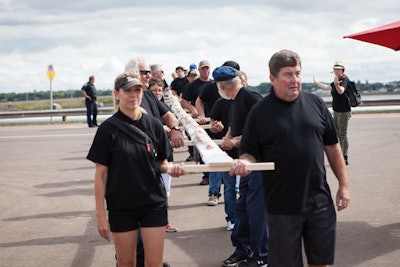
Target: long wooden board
{"x":224,"y":167}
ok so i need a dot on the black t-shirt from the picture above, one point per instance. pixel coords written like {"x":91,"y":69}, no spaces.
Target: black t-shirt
{"x":165,"y":84}
{"x":209,"y":95}
{"x":90,"y":90}
{"x":340,"y":103}
{"x":178,"y":84}
{"x":193,"y":90}
{"x":152,"y":105}
{"x":131,"y":182}
{"x":240,"y":107}
{"x":220,"y":112}
{"x":293,"y":136}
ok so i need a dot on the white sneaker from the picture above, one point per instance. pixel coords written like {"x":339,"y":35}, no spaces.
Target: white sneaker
{"x":230,"y":226}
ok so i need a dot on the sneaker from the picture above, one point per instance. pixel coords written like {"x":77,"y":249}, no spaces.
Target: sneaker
{"x":230,"y":226}
{"x":233,"y":260}
{"x":170,"y":228}
{"x":253,"y":263}
{"x":213,"y":199}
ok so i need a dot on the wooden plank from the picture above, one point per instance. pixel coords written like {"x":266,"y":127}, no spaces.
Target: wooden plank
{"x":224,"y":167}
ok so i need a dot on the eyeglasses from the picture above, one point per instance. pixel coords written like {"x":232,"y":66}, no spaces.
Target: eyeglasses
{"x":144,"y":72}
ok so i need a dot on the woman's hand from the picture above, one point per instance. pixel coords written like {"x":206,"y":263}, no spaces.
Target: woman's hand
{"x":103,"y":227}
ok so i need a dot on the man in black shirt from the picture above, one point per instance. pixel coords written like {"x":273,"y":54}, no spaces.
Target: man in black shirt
{"x":293,"y":129}
{"x":154,"y":106}
{"x":190,"y":95}
{"x":90,"y":93}
{"x":250,"y":234}
{"x":179,"y":82}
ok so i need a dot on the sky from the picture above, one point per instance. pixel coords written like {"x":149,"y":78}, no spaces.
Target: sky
{"x":87,"y":37}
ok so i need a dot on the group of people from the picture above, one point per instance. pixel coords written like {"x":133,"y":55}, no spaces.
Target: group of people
{"x":275,"y":210}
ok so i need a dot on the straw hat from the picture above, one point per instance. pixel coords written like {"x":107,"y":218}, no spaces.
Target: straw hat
{"x":338,"y":65}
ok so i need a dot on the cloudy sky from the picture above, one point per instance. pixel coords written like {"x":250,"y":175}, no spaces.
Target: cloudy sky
{"x":86,"y":37}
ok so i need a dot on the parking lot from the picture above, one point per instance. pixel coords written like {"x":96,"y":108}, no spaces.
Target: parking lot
{"x":47,"y":213}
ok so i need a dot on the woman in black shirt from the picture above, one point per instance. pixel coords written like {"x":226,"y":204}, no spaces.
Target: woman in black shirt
{"x":128,"y":176}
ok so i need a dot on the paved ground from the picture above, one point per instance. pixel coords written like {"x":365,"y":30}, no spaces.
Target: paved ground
{"x":47,"y":207}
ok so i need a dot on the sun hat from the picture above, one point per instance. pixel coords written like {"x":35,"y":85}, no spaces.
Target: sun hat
{"x":338,"y":65}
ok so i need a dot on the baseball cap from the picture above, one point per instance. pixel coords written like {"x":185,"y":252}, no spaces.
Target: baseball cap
{"x":193,"y":73}
{"x":126,"y":82}
{"x":204,"y":63}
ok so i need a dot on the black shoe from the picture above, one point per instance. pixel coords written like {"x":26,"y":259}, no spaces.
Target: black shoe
{"x":190,"y":158}
{"x":233,"y":260}
{"x":346,"y":160}
{"x":92,"y":126}
{"x":204,"y":181}
{"x":253,"y":263}
{"x":95,"y":124}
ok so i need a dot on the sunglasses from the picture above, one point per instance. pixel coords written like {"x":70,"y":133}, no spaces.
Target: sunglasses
{"x":144,"y":72}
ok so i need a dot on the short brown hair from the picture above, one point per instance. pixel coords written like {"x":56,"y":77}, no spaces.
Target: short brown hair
{"x":281,"y":59}
{"x":157,"y":81}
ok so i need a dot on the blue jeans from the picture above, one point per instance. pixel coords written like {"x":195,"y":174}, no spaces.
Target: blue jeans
{"x":215,"y":179}
{"x":250,"y":235}
{"x":229,"y":196}
{"x":91,"y":109}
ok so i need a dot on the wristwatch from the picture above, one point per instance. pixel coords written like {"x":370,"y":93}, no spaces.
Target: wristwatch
{"x":176,"y":128}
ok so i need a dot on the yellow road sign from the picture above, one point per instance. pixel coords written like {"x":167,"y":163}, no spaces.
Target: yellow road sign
{"x":50,"y":75}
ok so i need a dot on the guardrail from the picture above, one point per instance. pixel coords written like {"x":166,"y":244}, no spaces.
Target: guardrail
{"x":64,"y":113}
{"x":385,"y":102}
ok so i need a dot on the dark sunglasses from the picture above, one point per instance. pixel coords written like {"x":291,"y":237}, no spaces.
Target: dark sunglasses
{"x":144,"y":72}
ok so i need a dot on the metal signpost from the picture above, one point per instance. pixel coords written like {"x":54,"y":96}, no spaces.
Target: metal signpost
{"x":50,"y":74}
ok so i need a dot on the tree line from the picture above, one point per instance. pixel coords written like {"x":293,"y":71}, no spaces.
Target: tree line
{"x":263,"y":88}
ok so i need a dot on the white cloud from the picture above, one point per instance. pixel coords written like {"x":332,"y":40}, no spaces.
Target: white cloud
{"x":81,"y":38}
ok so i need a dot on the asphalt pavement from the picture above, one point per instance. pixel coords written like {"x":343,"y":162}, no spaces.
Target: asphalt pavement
{"x":47,"y":215}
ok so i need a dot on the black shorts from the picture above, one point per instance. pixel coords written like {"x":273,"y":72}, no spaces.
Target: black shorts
{"x":317,"y":228}
{"x":124,"y":221}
